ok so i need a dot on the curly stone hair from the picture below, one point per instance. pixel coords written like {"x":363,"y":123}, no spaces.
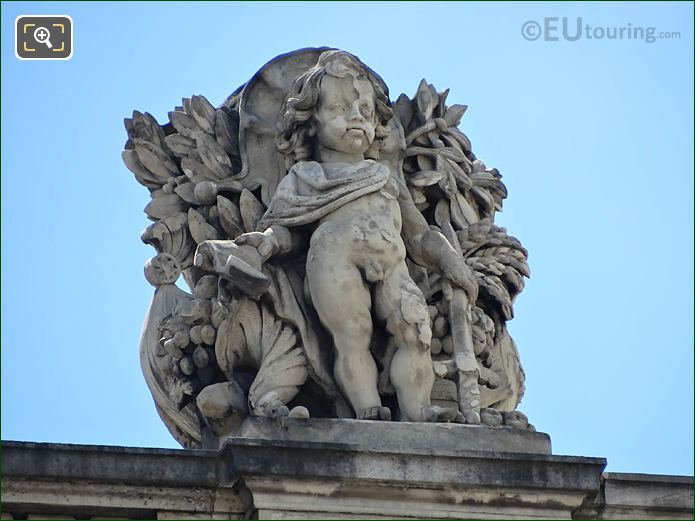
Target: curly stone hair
{"x":296,"y":127}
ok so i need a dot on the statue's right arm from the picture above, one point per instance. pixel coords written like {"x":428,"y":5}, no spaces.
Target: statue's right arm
{"x":275,"y":241}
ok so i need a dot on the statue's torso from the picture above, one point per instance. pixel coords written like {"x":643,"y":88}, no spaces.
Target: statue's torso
{"x":367,"y":228}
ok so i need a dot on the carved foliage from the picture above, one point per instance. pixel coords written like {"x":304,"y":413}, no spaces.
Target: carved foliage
{"x":459,"y":196}
{"x":189,"y":166}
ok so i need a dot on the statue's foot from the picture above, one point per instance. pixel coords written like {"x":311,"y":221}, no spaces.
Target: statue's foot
{"x":516,"y":419}
{"x":469,"y":418}
{"x":300,"y":412}
{"x":437,"y":414}
{"x":273,"y":409}
{"x":472,"y":417}
{"x":281,"y":411}
{"x":375,"y":413}
{"x":491,"y":417}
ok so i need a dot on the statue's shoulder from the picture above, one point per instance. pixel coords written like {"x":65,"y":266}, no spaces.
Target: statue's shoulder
{"x":306,"y":167}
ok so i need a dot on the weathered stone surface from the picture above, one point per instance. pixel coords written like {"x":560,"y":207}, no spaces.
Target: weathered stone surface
{"x":444,"y":438}
{"x":94,"y":481}
{"x":424,"y":466}
{"x":371,"y":222}
{"x":104,"y":463}
{"x":295,"y":480}
{"x":646,"y":496}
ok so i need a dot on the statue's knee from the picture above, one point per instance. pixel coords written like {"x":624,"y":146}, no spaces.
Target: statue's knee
{"x":415,"y":335}
{"x":411,"y":318}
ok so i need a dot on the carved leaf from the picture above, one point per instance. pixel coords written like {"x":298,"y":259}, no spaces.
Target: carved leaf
{"x":164,"y":205}
{"x":214,"y":156}
{"x":441,"y":212}
{"x":425,"y":178}
{"x":186,"y":102}
{"x":515,"y":282}
{"x":230,"y":345}
{"x":497,"y":290}
{"x":270,"y":330}
{"x":200,"y":230}
{"x":462,"y":179}
{"x":180,"y":145}
{"x":249,"y":316}
{"x":185,"y":192}
{"x":452,"y":154}
{"x":145,"y":126}
{"x":441,"y":106}
{"x":425,"y":162}
{"x":230,"y":217}
{"x":142,"y":175}
{"x":404,"y":109}
{"x":182,"y":245}
{"x":450,"y":234}
{"x":284,"y":365}
{"x":184,"y":124}
{"x":251,"y":210}
{"x":426,"y":99}
{"x":461,"y":138}
{"x":203,"y":113}
{"x":462,"y":213}
{"x":226,"y":132}
{"x":450,"y":142}
{"x":165,"y":235}
{"x":418,"y":197}
{"x":155,"y":159}
{"x":197,"y":171}
{"x":453,"y":114}
{"x":485,"y":201}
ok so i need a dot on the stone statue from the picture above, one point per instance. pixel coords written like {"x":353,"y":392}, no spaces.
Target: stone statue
{"x":340,"y":251}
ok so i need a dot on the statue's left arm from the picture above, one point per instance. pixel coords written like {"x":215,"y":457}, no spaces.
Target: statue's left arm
{"x":428,"y":247}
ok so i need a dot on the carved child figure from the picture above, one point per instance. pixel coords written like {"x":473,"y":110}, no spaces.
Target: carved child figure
{"x":362,"y":222}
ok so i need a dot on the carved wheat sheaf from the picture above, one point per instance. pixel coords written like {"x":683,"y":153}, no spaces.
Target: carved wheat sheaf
{"x":460,"y":196}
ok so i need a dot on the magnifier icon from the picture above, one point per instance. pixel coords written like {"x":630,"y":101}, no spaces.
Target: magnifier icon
{"x":43,"y":35}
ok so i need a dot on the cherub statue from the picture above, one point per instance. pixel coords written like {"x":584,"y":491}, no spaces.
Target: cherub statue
{"x":354,"y":209}
{"x":339,"y":248}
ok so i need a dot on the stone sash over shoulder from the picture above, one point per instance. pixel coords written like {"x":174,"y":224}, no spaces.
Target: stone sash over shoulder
{"x":307,"y":194}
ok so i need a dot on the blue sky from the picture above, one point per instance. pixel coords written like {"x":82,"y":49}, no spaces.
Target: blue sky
{"x":594,"y":138}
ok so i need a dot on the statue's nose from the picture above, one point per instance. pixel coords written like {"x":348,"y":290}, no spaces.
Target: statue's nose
{"x":355,"y":112}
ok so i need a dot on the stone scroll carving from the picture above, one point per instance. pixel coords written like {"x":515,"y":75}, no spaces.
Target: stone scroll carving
{"x":340,"y":253}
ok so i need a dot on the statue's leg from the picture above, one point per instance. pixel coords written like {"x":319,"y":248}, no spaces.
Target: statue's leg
{"x":343,"y":303}
{"x":401,"y":304}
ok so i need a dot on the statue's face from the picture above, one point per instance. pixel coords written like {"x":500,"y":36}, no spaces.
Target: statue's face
{"x":346,"y":117}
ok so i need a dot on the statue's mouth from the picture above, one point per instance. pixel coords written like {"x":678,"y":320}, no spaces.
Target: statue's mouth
{"x":355,"y":132}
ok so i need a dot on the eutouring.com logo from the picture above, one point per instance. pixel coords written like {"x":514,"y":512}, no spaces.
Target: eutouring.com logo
{"x":554,"y":29}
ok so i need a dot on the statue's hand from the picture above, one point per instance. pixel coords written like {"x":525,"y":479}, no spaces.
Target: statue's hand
{"x":461,"y":276}
{"x":266,"y":244}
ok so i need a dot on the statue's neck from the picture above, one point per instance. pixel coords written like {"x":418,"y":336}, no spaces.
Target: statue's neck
{"x":326,"y":155}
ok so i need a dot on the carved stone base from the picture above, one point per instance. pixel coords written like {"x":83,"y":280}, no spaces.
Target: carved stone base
{"x":256,"y":479}
{"x":440,"y":438}
{"x":414,"y":472}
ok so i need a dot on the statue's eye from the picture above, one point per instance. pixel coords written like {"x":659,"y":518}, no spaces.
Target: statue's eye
{"x":338,"y":107}
{"x":366,"y":110}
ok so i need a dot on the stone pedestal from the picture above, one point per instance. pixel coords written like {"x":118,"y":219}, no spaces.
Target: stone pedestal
{"x":291,"y":478}
{"x":343,"y":469}
{"x":399,"y":436}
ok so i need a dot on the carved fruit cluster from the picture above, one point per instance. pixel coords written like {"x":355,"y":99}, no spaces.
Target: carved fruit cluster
{"x":187,"y":341}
